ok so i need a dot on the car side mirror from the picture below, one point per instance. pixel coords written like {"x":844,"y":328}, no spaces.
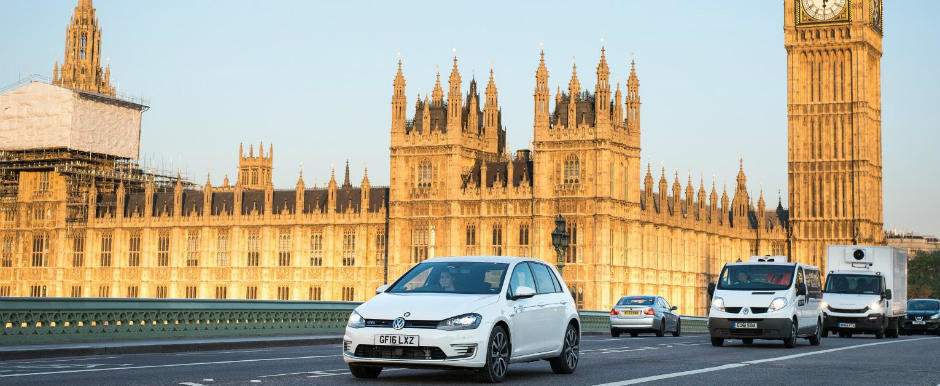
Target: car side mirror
{"x":711,"y":289}
{"x":381,"y":288}
{"x":800,"y":289}
{"x":523,"y":292}
{"x":887,"y":294}
{"x":673,"y":308}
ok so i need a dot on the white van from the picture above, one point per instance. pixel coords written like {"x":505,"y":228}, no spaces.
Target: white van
{"x":766,"y":298}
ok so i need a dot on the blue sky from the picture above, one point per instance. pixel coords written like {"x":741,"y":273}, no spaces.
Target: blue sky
{"x":315,"y":79}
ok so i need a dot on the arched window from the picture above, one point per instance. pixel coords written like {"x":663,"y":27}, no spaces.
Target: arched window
{"x":424,"y":174}
{"x":572,"y":170}
{"x":497,"y":239}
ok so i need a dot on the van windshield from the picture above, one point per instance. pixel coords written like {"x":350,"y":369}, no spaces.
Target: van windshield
{"x":756,"y":277}
{"x":853,"y":284}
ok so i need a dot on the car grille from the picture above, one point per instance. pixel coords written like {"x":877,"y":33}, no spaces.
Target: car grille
{"x":408,"y":323}
{"x":848,"y":310}
{"x":399,"y":352}
{"x":756,"y":310}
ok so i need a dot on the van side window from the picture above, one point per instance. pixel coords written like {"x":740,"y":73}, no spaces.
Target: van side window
{"x":813,"y":283}
{"x":799,"y":277}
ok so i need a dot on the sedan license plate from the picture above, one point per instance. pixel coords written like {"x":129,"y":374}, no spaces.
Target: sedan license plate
{"x":919,"y":322}
{"x":396,"y":340}
{"x":846,"y":325}
{"x":630,"y":313}
{"x":744,"y":325}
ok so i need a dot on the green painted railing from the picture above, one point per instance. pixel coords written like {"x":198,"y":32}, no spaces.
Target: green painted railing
{"x":70,"y":320}
{"x":75,"y":320}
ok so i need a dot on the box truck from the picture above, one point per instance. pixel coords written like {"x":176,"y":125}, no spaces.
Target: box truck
{"x":866,"y":290}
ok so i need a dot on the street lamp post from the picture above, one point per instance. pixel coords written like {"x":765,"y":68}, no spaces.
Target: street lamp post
{"x":560,"y":239}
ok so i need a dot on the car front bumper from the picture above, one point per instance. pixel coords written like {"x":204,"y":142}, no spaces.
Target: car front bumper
{"x":767,"y":328}
{"x":840,"y":322}
{"x":436,"y":348}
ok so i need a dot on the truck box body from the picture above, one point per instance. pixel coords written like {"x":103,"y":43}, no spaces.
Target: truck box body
{"x":890,"y":262}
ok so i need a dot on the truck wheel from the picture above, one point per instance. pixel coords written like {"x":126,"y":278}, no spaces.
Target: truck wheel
{"x":894,"y":332}
{"x":790,"y":341}
{"x":880,"y":332}
{"x":717,"y":342}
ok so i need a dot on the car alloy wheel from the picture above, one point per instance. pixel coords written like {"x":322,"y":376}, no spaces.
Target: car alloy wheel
{"x":567,"y":361}
{"x":499,"y":353}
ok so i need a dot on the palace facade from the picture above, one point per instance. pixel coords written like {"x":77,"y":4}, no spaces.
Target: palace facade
{"x":104,"y":227}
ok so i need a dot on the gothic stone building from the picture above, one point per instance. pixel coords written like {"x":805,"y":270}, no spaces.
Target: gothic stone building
{"x":455,"y":189}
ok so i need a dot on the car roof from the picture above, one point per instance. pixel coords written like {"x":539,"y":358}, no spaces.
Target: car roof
{"x":482,"y":259}
{"x":925,"y":299}
{"x":790,"y":263}
{"x":639,"y":296}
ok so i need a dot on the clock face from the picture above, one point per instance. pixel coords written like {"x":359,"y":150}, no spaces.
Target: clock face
{"x":823,"y":9}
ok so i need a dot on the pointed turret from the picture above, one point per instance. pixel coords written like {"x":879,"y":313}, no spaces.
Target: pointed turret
{"x":617,"y":114}
{"x":689,"y":195}
{"x":454,"y":101}
{"x":676,"y":195}
{"x":632,"y":103}
{"x":399,"y":101}
{"x":331,"y":191}
{"x":491,"y":115}
{"x":346,"y":183}
{"x":81,"y":69}
{"x":541,"y":94}
{"x":648,"y":187}
{"x":602,"y":92}
{"x":366,"y":191}
{"x":299,"y":193}
{"x":437,"y":94}
{"x":574,"y":89}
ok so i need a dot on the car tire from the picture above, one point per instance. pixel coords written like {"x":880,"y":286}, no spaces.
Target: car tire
{"x":614,"y":333}
{"x":747,"y":341}
{"x":360,"y":371}
{"x":825,"y":333}
{"x":678,"y":330}
{"x":567,"y":361}
{"x":497,"y":356}
{"x":661,"y":332}
{"x":634,"y":334}
{"x":817,"y":336}
{"x":718,"y":342}
{"x":790,"y":341}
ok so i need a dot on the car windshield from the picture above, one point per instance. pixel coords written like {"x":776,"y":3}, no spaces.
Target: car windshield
{"x":923,"y":305}
{"x":452,"y":277}
{"x":756,"y":277}
{"x":635,"y":301}
{"x":853,"y":284}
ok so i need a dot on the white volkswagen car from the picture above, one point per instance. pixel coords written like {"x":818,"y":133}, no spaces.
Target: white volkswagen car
{"x":479,"y":313}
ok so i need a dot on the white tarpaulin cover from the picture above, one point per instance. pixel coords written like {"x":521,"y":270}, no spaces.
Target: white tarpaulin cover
{"x":41,"y":116}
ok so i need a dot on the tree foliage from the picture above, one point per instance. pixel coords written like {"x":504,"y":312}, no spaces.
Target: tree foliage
{"x":923,"y":275}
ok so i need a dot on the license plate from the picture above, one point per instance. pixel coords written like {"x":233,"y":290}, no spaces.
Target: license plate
{"x":846,"y":325}
{"x":396,"y":340}
{"x":919,"y":322}
{"x":630,"y":313}
{"x":743,"y":325}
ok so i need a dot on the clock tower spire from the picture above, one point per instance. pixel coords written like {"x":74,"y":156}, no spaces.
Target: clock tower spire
{"x":81,"y":69}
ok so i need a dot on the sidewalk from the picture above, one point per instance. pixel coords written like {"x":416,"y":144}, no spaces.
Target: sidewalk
{"x":161,"y":346}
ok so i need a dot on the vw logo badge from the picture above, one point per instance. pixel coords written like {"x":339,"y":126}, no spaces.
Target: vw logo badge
{"x":398,"y":323}
{"x":920,"y":318}
{"x":746,"y":311}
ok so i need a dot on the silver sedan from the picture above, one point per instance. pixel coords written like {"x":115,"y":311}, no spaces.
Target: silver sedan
{"x":644,"y":313}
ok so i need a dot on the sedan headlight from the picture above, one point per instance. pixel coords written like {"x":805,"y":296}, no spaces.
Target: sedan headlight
{"x":718,"y":304}
{"x":461,"y":322}
{"x":356,"y":320}
{"x":875,"y":306}
{"x":935,"y":316}
{"x":778,"y":303}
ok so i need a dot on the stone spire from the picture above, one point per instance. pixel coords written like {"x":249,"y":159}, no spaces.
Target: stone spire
{"x":617,"y":115}
{"x":437,"y":95}
{"x":81,"y":69}
{"x":541,"y":93}
{"x":574,"y":88}
{"x":633,"y":100}
{"x":346,"y":183}
{"x":491,"y":115}
{"x":602,"y":92}
{"x":399,"y":101}
{"x":454,"y":101}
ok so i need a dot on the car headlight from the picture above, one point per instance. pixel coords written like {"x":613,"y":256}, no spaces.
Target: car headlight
{"x":778,"y":303}
{"x":875,"y":306}
{"x":718,"y":304}
{"x":356,"y":320}
{"x":823,"y":305}
{"x":935,"y":316}
{"x":461,"y":322}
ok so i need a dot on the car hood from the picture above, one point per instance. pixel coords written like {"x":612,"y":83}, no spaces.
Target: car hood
{"x":925,"y":314}
{"x":423,"y":306}
{"x":850,"y":301}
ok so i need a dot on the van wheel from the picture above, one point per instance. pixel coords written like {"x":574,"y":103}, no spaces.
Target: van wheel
{"x":747,"y":341}
{"x":790,"y":341}
{"x":661,"y":332}
{"x":497,"y":357}
{"x":678,"y":330}
{"x":717,"y":342}
{"x":815,"y":338}
{"x":567,"y":361}
{"x":360,"y":371}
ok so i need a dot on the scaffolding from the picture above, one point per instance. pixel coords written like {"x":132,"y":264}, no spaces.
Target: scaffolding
{"x":81,"y":170}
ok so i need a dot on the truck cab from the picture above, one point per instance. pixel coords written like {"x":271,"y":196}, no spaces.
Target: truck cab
{"x":766,"y":297}
{"x":866,"y":290}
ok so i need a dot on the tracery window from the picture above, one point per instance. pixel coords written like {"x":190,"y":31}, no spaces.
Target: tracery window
{"x":425,"y":171}
{"x":572,"y":170}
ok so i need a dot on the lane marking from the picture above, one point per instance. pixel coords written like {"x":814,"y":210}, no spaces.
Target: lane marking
{"x":748,"y":363}
{"x":169,"y":365}
{"x":191,"y":384}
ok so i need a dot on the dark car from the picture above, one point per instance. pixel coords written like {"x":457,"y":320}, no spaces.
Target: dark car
{"x":923,"y":315}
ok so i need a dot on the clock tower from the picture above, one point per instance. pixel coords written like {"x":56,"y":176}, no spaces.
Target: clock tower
{"x":834,"y":124}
